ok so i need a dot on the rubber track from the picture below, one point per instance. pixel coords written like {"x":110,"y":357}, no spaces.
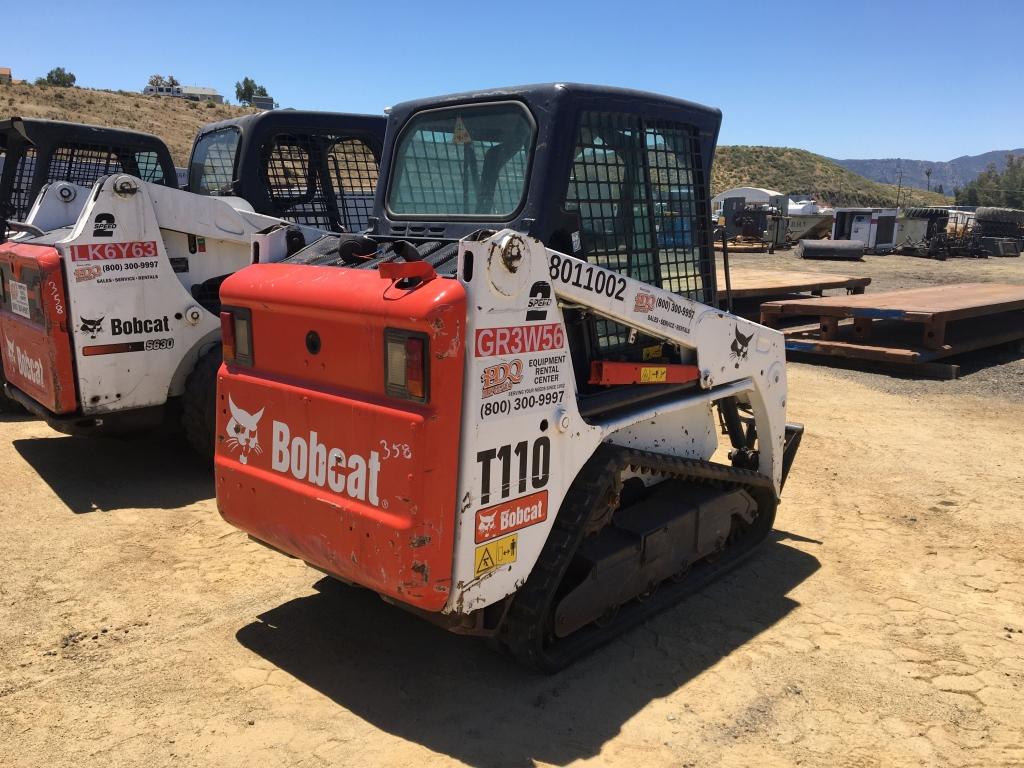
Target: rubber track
{"x":597,"y":486}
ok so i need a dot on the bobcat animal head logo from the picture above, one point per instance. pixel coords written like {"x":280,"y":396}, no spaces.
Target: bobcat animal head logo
{"x":92,"y":327}
{"x":486,"y":524}
{"x":242,"y":431}
{"x":740,"y":346}
{"x":12,"y":352}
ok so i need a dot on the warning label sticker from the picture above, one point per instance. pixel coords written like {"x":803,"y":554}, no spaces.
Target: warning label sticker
{"x":495,"y":554}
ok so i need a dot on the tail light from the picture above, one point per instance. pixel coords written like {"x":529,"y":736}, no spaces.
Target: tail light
{"x":405,"y":365}
{"x":236,"y":335}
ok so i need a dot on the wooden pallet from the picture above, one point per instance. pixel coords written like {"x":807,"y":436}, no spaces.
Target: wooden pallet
{"x":908,"y":328}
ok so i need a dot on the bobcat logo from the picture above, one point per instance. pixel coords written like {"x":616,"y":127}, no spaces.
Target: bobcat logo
{"x":241,"y":431}
{"x":92,"y":327}
{"x":486,"y":524}
{"x":740,"y":346}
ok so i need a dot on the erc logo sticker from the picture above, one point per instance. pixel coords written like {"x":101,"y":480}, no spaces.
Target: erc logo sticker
{"x":644,"y":302}
{"x":495,"y":554}
{"x":511,"y":516}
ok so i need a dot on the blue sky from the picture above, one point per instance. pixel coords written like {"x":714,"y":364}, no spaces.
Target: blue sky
{"x":924,"y":80}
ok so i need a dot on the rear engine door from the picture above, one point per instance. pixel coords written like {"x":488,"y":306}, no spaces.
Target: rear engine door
{"x":36,"y":346}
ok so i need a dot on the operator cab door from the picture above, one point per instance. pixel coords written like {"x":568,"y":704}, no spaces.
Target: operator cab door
{"x":637,"y":189}
{"x":319,"y":179}
{"x":860,"y":229}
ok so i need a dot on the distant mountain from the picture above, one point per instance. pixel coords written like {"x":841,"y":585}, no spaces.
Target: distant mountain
{"x":951,"y":175}
{"x":790,"y":170}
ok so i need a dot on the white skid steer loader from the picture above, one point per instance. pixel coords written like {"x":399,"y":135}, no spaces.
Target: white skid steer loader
{"x":110,"y":324}
{"x":501,"y":407}
{"x":106,"y":322}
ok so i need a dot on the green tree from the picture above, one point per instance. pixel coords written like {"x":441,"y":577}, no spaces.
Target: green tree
{"x":57,"y":77}
{"x":158,"y":81}
{"x":995,"y":188}
{"x":247,"y":89}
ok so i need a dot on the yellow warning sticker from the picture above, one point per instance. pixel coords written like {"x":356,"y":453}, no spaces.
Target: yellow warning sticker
{"x":653,"y":375}
{"x":494,"y":554}
{"x":460,"y":133}
{"x":652,"y":353}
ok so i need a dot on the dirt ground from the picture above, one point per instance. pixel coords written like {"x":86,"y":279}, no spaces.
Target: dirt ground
{"x":882,"y":624}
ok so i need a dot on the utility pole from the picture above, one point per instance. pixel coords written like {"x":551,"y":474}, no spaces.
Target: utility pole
{"x":899,"y":187}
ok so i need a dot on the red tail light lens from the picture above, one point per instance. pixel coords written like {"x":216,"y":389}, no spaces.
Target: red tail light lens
{"x":405,"y":365}
{"x":236,"y":335}
{"x":227,"y":336}
{"x":414,"y":373}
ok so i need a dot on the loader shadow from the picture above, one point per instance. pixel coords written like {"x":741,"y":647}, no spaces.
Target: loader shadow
{"x":456,"y":696}
{"x":94,"y":473}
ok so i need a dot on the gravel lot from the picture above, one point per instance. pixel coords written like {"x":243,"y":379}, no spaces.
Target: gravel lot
{"x":883,"y":623}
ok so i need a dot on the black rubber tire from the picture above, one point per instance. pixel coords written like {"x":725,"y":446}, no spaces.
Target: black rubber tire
{"x":925,"y":213}
{"x":199,"y":404}
{"x":989,"y":228}
{"x":1002,"y":215}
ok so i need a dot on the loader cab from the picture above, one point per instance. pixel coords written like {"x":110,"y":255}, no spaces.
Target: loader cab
{"x":34,"y":153}
{"x":313,"y":168}
{"x":619,"y":178}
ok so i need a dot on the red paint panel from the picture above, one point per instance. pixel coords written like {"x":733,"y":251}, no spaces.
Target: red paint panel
{"x":314,"y":458}
{"x":36,"y":350}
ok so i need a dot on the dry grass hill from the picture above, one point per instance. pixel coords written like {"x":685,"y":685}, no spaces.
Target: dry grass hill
{"x":176,"y":122}
{"x":173,"y":120}
{"x":797,"y":170}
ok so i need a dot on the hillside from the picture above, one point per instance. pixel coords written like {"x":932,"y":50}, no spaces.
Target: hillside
{"x":173,"y":120}
{"x":176,"y":122}
{"x":951,"y":174}
{"x":796,"y":170}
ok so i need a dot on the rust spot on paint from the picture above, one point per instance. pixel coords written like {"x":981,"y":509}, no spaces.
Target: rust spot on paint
{"x":422,"y":570}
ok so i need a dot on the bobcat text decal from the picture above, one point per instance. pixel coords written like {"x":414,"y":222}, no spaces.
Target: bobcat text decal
{"x":29,"y":367}
{"x":306,"y":458}
{"x":511,"y":516}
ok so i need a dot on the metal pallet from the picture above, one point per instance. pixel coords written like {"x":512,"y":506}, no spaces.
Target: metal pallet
{"x":908,"y":328}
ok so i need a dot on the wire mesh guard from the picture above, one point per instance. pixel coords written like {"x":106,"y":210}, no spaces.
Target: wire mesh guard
{"x":21,"y":187}
{"x":212,"y":170}
{"x":80,"y":164}
{"x":638,"y":188}
{"x":324,"y":181}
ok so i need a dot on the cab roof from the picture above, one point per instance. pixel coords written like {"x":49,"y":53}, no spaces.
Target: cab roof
{"x":37,"y":131}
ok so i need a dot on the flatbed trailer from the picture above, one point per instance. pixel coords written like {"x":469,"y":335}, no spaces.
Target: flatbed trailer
{"x":909,"y":328}
{"x":758,"y":283}
{"x":751,"y":287}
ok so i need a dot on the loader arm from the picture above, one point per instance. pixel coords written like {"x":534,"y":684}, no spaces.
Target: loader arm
{"x":731,"y":353}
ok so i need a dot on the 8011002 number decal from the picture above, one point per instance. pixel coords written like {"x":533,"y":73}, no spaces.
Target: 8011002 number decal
{"x":587,"y":277}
